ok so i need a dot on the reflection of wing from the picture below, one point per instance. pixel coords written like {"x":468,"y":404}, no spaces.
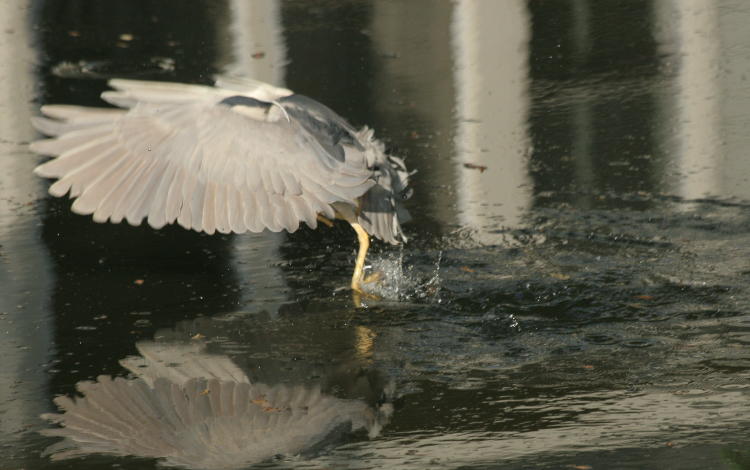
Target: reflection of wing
{"x":207,"y":158}
{"x":202,"y":423}
{"x":179,"y":362}
{"x":198,"y":410}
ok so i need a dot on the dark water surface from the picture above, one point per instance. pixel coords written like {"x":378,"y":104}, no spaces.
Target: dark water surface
{"x":581,"y":302}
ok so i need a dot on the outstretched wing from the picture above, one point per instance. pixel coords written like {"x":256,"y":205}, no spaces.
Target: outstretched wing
{"x":211,"y":159}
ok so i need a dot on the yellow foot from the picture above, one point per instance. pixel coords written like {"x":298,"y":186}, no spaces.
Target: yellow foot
{"x":358,"y":295}
{"x":374,"y":277}
{"x":365,"y":295}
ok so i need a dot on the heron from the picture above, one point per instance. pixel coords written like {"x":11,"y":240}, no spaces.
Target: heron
{"x":238,"y":156}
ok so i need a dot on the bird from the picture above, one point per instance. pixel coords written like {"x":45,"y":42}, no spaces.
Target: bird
{"x":239,"y":156}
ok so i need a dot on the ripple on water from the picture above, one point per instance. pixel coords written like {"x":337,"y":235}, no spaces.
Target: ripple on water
{"x":732,"y":365}
{"x":639,"y":343}
{"x":601,"y":339}
{"x":707,"y":405}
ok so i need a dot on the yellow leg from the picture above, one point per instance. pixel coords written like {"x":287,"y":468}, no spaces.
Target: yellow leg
{"x":325,"y":220}
{"x":359,"y":266}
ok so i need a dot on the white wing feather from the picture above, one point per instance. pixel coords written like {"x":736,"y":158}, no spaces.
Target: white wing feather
{"x":177,"y":155}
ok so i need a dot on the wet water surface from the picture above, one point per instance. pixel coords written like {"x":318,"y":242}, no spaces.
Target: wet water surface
{"x":574,"y":293}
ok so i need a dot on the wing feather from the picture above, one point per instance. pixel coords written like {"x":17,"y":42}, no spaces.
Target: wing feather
{"x":55,"y":128}
{"x":277,"y":183}
{"x":81,"y":113}
{"x":72,"y":140}
{"x":185,"y":218}
{"x":209,"y":209}
{"x":291,"y":185}
{"x":303,"y":211}
{"x":75,"y":158}
{"x":221,"y":209}
{"x":263,"y":206}
{"x":320,"y":206}
{"x":123,"y":199}
{"x":283,"y":214}
{"x":157,"y":213}
{"x":252,"y":179}
{"x":197,"y":199}
{"x":251,"y":215}
{"x":179,"y":155}
{"x":109,"y":203}
{"x":235,"y":211}
{"x":144,"y":193}
{"x":174,"y":203}
{"x":101,"y":185}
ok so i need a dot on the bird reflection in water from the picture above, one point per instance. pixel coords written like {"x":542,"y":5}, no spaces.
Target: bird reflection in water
{"x":199,"y":410}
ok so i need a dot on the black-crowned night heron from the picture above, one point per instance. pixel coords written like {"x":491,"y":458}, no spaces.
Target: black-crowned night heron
{"x":240,"y":156}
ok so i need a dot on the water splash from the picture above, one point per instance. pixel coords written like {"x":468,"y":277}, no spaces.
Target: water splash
{"x":401,"y":281}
